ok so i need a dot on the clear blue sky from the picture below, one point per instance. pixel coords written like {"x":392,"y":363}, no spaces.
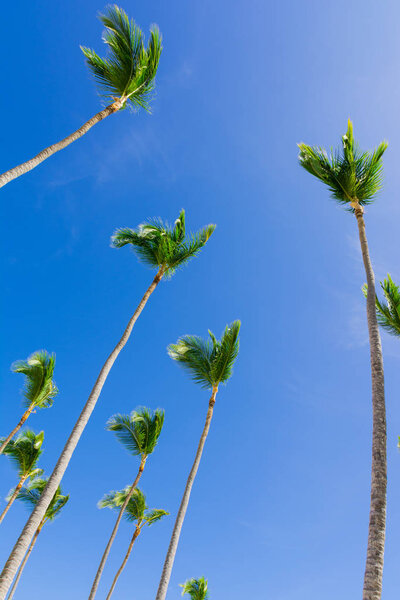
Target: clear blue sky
{"x":280,"y":505}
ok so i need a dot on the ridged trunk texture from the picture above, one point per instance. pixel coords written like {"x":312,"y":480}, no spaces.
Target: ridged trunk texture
{"x":14,"y":495}
{"x":122,"y":567}
{"x":16,"y":428}
{"x":27,"y":555}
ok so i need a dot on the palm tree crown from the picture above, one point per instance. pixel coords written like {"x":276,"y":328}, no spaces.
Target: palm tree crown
{"x":159,"y":245}
{"x":128,"y":72}
{"x":24,"y":452}
{"x":209,"y":362}
{"x":196,"y":588}
{"x":388,"y":313}
{"x":136,"y":509}
{"x":139,"y":431}
{"x":30,"y":495}
{"x":40,"y":388}
{"x":352,"y":176}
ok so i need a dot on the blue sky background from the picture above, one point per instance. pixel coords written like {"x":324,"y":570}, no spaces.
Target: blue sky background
{"x":280,"y":506}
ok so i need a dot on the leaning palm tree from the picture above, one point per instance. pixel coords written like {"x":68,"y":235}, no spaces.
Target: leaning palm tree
{"x":210,"y":363}
{"x":125,"y":77}
{"x":31,"y":495}
{"x":139,"y":433}
{"x":24,"y":453}
{"x":196,"y":588}
{"x":353,"y":178}
{"x":137,"y":512}
{"x":166,"y":249}
{"x":40,"y":389}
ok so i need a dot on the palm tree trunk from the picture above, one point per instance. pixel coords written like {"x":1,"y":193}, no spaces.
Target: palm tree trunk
{"x":15,"y":494}
{"x":122,"y":567}
{"x":16,"y":428}
{"x":114,"y":531}
{"x":173,"y":545}
{"x":21,"y":546}
{"x":18,"y":577}
{"x":8,"y":176}
{"x":377,"y":517}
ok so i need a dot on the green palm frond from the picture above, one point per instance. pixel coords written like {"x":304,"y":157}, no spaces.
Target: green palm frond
{"x":24,"y":452}
{"x":129,"y":69}
{"x":139,"y":431}
{"x":388,"y":314}
{"x":30,"y":495}
{"x":40,"y":388}
{"x":225,"y":352}
{"x":159,"y":245}
{"x":196,"y":588}
{"x":351,"y":175}
{"x":153,"y":515}
{"x":136,"y":509}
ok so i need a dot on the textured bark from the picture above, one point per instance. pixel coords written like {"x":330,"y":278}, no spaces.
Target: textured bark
{"x":18,"y":577}
{"x":173,"y":545}
{"x":115,"y":530}
{"x":8,"y":176}
{"x":377,"y":517}
{"x":15,"y":494}
{"x":16,"y":428}
{"x":122,"y":567}
{"x":21,"y":546}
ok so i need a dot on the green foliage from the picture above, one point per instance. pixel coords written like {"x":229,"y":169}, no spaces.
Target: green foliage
{"x":40,"y":388}
{"x":351,"y":175}
{"x":209,"y":362}
{"x":136,"y":509}
{"x":30,"y":495}
{"x":129,"y":70}
{"x":159,"y":245}
{"x":388,"y":314}
{"x":139,"y":431}
{"x":196,"y":588}
{"x":24,"y":452}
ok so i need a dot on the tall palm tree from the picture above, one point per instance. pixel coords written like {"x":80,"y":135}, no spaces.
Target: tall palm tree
{"x":125,"y":77}
{"x":137,"y":512}
{"x":24,"y":453}
{"x":31,"y":495}
{"x":40,"y":389}
{"x":210,"y":363}
{"x":159,"y":246}
{"x":353,"y":178}
{"x":196,"y":588}
{"x":139,"y":433}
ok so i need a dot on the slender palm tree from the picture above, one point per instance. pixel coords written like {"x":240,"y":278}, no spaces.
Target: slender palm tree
{"x":30,"y":495}
{"x":210,"y":363}
{"x":353,"y":178}
{"x":24,"y":453}
{"x":139,"y":433}
{"x":40,"y":389}
{"x":136,"y":512}
{"x":125,"y":77}
{"x":196,"y":588}
{"x":159,"y":246}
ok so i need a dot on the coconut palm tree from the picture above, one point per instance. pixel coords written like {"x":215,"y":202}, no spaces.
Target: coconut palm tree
{"x":161,"y":247}
{"x":353,"y":178}
{"x":139,"y":433}
{"x":137,"y":512}
{"x":196,"y":588}
{"x":125,"y":77}
{"x":210,"y":363}
{"x":40,"y":389}
{"x":30,"y":495}
{"x":24,"y":453}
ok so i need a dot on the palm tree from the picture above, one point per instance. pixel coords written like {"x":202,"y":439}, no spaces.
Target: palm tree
{"x":40,"y":389}
{"x":136,"y":512}
{"x":31,"y":495}
{"x":210,"y":363}
{"x":139,"y":433}
{"x":353,"y":178}
{"x":24,"y":453}
{"x":159,"y":246}
{"x":196,"y":588}
{"x":125,"y":77}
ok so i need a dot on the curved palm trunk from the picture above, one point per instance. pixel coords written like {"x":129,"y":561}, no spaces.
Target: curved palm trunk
{"x":16,"y":428}
{"x":173,"y":545}
{"x":8,"y":176}
{"x":15,"y":494}
{"x":114,"y":531}
{"x":21,"y":546}
{"x":18,"y":577}
{"x":377,"y":517}
{"x":122,"y":567}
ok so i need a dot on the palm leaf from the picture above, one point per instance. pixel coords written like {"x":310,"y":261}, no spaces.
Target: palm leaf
{"x":24,"y":451}
{"x":388,"y":314}
{"x":196,"y":588}
{"x":40,"y":388}
{"x":139,"y":431}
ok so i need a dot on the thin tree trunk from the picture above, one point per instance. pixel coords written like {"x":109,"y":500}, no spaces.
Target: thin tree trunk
{"x":114,"y":531}
{"x":16,"y":428}
{"x":122,"y":567}
{"x":18,"y":577}
{"x":15,"y":494}
{"x":173,"y":545}
{"x":377,"y":517}
{"x":8,"y":176}
{"x":21,"y":546}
